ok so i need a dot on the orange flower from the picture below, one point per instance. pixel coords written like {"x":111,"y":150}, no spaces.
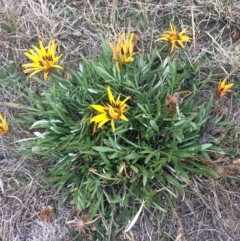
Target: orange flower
{"x":3,"y":125}
{"x":222,"y":88}
{"x":123,"y":51}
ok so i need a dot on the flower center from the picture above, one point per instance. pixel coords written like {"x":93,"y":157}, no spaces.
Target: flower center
{"x":173,"y":37}
{"x":48,"y":64}
{"x":114,"y":112}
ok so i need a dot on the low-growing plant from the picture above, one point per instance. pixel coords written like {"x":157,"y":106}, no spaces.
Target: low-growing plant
{"x":120,"y":135}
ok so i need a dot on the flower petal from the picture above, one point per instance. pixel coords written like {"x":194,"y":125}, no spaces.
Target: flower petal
{"x":102,"y":122}
{"x":228,"y":86}
{"x":99,"y":118}
{"x":123,"y":117}
{"x":110,"y":95}
{"x":99,"y":108}
{"x":113,"y":125}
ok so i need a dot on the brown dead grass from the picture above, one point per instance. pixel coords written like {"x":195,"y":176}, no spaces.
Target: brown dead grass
{"x":209,"y":211}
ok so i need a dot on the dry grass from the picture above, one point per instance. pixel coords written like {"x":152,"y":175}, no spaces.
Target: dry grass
{"x":209,"y":211}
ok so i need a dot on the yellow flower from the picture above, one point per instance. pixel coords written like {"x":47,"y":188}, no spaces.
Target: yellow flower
{"x":123,"y":51}
{"x":43,"y":59}
{"x":222,"y":88}
{"x":3,"y":125}
{"x":174,"y":37}
{"x":110,"y":112}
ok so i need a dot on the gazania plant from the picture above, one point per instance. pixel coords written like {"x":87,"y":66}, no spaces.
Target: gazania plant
{"x":44,"y":59}
{"x":175,"y":38}
{"x":111,"y":137}
{"x":223,"y":88}
{"x":110,"y":112}
{"x":3,"y":125}
{"x":123,"y":51}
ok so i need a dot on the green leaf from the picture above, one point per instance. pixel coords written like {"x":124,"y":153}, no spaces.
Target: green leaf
{"x":96,"y":207}
{"x":154,"y":125}
{"x":103,"y":73}
{"x":39,"y":123}
{"x":206,"y":146}
{"x":145,"y":179}
{"x":149,"y":157}
{"x":181,"y":172}
{"x":103,"y":149}
{"x":104,"y":158}
{"x":133,"y":156}
{"x":142,"y":169}
{"x":173,"y":181}
{"x":180,"y":123}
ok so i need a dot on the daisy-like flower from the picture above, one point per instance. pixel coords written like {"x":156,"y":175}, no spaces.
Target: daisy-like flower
{"x":223,"y":88}
{"x":43,"y":59}
{"x":123,"y":51}
{"x":3,"y":125}
{"x":110,"y":112}
{"x":174,"y":37}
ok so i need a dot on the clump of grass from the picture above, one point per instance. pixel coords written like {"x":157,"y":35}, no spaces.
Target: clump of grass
{"x":120,"y":135}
